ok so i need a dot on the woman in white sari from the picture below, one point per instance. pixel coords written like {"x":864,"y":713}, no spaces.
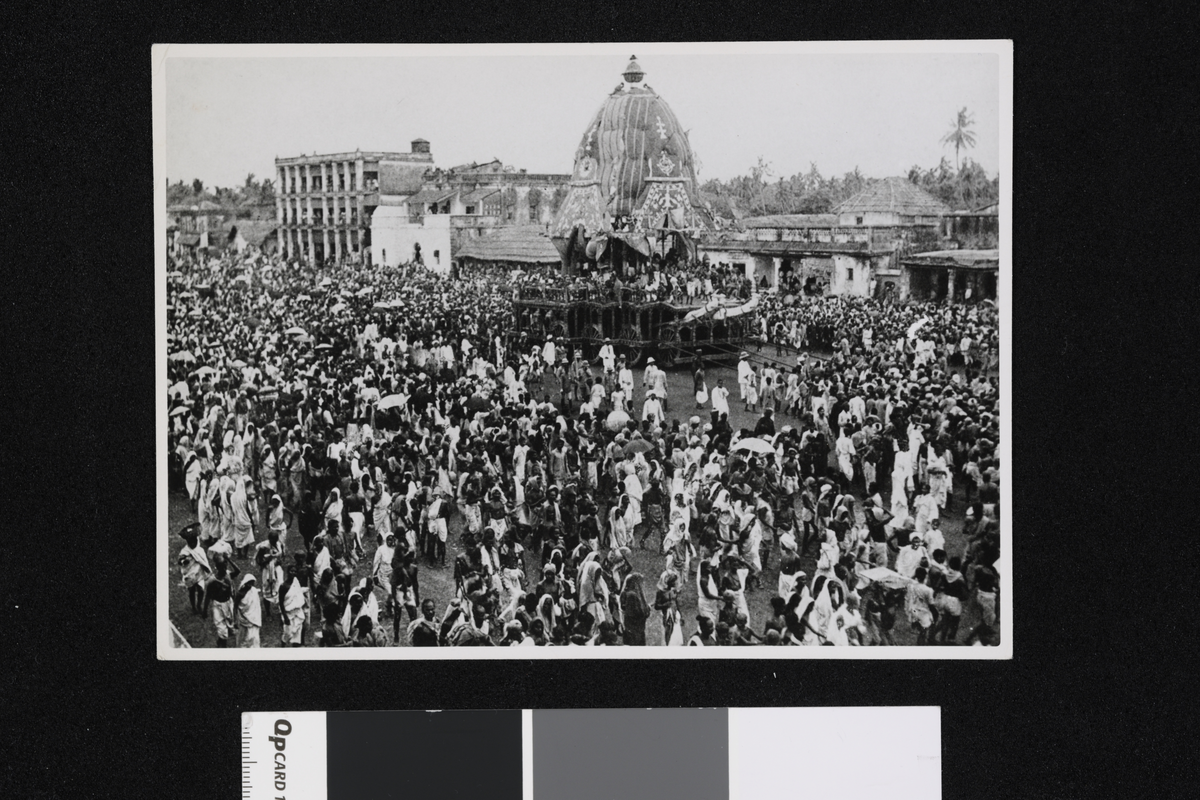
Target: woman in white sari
{"x":547,"y":612}
{"x":333,"y":508}
{"x":249,"y":612}
{"x":619,"y":532}
{"x":593,"y":592}
{"x":245,"y":514}
{"x":381,"y":510}
{"x":708,"y":590}
{"x":208,"y":508}
{"x":267,"y":471}
{"x":293,"y":606}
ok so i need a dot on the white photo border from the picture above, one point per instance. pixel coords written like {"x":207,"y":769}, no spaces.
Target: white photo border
{"x":1001,"y":48}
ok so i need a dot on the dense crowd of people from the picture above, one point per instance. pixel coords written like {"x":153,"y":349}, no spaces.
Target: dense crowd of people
{"x":945,"y":335}
{"x":377,"y":411}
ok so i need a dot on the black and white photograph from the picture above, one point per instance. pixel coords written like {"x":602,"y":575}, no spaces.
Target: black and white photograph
{"x":632,"y":350}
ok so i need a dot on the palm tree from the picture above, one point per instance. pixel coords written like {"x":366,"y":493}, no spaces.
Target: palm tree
{"x":959,"y":135}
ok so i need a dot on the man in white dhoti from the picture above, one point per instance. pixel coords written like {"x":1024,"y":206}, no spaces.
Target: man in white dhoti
{"x":745,"y":377}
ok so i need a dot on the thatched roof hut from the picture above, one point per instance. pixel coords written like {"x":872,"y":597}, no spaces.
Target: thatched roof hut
{"x":523,"y":244}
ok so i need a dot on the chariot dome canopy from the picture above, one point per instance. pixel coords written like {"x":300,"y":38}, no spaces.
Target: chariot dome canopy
{"x":634,"y":176}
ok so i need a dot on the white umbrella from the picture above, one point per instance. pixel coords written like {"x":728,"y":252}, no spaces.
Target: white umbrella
{"x":616,"y":420}
{"x":303,"y":297}
{"x":179,"y":388}
{"x":912,"y":329}
{"x":239,"y":363}
{"x":889,"y":578}
{"x":325,"y":282}
{"x":364,"y":291}
{"x":296,"y":330}
{"x":205,"y":370}
{"x":337,"y":308}
{"x":182,"y":355}
{"x":179,"y":411}
{"x":753,"y":444}
{"x":175,"y":274}
{"x":392,"y":401}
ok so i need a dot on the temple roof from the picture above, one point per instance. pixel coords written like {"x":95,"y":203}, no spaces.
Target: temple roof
{"x":634,"y":159}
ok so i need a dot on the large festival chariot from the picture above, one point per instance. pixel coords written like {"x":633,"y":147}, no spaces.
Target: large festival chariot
{"x":636,"y":324}
{"x":632,"y":208}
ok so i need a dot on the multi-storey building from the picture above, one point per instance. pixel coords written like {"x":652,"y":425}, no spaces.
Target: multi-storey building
{"x":856,"y":250}
{"x":324,"y":202}
{"x":457,"y":205}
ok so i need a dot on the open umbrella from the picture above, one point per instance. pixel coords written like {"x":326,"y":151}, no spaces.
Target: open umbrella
{"x":752,"y":444}
{"x":364,"y":291}
{"x":175,"y":274}
{"x":182,"y":355}
{"x":337,"y":308}
{"x":253,"y":322}
{"x":205,"y":370}
{"x":381,"y":307}
{"x":616,"y":420}
{"x":326,"y":282}
{"x":296,"y":330}
{"x":391,"y":401}
{"x":912,"y":329}
{"x":186,"y":294}
{"x":889,"y":578}
{"x":325,"y":346}
{"x":179,"y":388}
{"x":196,"y":314}
{"x":180,"y":410}
{"x":238,"y":363}
{"x":303,"y":297}
{"x":637,"y":446}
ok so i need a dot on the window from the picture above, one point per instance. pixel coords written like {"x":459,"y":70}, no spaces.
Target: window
{"x":858,"y":220}
{"x":470,"y":209}
{"x":849,"y":273}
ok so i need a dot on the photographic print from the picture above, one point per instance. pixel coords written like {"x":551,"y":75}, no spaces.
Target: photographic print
{"x":584,"y":351}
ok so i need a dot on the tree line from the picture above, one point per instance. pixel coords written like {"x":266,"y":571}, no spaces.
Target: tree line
{"x":762,"y":192}
{"x":251,"y":193}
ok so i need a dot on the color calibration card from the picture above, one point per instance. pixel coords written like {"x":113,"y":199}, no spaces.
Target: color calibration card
{"x":594,"y":754}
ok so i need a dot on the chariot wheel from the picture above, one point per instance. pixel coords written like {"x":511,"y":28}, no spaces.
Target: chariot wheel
{"x":668,"y":348}
{"x":593,"y":338}
{"x":631,"y":344}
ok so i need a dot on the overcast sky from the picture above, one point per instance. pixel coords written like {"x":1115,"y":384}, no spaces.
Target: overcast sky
{"x":882,"y":112}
